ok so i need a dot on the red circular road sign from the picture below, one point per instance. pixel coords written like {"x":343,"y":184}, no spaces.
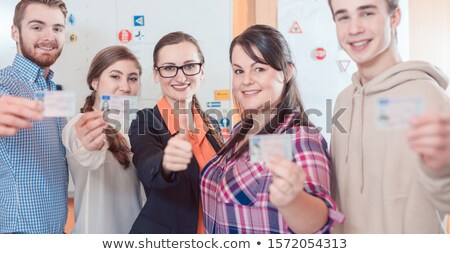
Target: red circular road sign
{"x":320,"y":53}
{"x":125,"y":36}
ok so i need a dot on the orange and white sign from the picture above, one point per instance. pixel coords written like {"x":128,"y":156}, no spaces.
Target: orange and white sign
{"x":222,"y":95}
{"x":125,"y":36}
{"x":295,"y":28}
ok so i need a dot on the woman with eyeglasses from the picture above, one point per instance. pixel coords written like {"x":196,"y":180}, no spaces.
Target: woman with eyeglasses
{"x":173,"y":141}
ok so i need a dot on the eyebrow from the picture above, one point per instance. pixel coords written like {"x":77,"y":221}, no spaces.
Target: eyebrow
{"x":361,"y":8}
{"x":365,"y":7}
{"x":43,"y":23}
{"x":119,"y":72}
{"x":185,"y":62}
{"x":116,"y":71}
{"x":253,"y":64}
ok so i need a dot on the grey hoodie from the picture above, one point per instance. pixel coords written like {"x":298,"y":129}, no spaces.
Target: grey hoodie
{"x":379,"y":183}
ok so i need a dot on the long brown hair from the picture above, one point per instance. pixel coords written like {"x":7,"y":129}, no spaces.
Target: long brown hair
{"x":275,"y":53}
{"x":102,"y":60}
{"x":23,"y":4}
{"x":176,"y":38}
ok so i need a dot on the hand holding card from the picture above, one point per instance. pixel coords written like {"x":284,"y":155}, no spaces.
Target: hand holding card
{"x":287,"y":182}
{"x":430,"y":138}
{"x":89,"y":129}
{"x":16,"y":113}
{"x":264,"y":147}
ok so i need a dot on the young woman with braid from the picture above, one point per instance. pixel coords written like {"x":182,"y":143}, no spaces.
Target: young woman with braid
{"x":173,"y":141}
{"x":107,"y":189}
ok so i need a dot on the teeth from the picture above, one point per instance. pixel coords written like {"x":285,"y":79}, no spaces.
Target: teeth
{"x":359,"y":44}
{"x":251,"y":92}
{"x":45,"y":48}
{"x":181,"y":86}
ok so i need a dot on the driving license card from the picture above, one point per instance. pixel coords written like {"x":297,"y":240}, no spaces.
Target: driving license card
{"x":57,"y":103}
{"x":396,"y":113}
{"x":119,"y":107}
{"x":263,"y":147}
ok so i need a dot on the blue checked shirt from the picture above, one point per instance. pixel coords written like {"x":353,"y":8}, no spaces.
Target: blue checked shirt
{"x":33,"y":168}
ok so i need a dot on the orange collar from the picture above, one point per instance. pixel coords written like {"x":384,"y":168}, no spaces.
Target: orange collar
{"x":202,"y":149}
{"x":166,"y":111}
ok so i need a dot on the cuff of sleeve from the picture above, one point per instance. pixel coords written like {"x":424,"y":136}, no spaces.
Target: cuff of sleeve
{"x":91,"y":160}
{"x":436,"y":174}
{"x":333,"y":215}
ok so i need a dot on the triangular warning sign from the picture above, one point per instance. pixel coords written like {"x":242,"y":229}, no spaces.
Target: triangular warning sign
{"x":343,"y":65}
{"x":295,"y":29}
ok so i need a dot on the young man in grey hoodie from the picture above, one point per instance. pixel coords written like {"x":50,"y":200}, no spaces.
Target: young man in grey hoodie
{"x":388,"y":180}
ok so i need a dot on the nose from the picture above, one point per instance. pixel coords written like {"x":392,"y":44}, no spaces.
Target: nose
{"x":248,"y":79}
{"x":125,"y":87}
{"x":180,"y":77}
{"x":356,"y":26}
{"x":48,"y":34}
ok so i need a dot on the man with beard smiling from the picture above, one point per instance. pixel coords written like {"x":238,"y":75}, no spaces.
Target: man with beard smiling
{"x":33,"y":169}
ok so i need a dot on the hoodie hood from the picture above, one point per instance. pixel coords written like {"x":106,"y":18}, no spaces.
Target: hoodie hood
{"x":399,"y":74}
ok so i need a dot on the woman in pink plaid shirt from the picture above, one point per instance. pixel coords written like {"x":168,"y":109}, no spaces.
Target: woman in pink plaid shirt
{"x":282,"y":196}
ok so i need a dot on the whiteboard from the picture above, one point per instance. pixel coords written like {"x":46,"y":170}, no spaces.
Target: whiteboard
{"x":96,"y":25}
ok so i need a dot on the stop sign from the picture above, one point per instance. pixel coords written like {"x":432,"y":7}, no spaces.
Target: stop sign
{"x":320,"y":53}
{"x":125,"y":36}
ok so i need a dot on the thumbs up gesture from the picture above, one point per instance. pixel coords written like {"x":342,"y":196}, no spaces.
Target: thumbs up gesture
{"x":178,"y":153}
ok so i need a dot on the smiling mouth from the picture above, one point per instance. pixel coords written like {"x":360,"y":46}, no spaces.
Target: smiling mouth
{"x":46,"y":47}
{"x":359,"y":43}
{"x":180,"y":87}
{"x":251,"y":92}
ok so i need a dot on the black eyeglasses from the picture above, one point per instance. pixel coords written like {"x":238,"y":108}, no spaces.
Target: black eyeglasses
{"x":170,"y":71}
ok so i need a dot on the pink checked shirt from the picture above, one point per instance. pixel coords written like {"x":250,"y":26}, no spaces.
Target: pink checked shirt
{"x":235,"y":193}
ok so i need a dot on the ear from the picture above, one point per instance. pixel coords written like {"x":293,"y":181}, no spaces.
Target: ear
{"x":15,"y":33}
{"x":94,"y":84}
{"x":202,"y":73}
{"x":396,"y":18}
{"x":155,"y":76}
{"x":290,"y":72}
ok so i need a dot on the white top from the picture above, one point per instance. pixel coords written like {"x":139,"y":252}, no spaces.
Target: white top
{"x":108,"y":198}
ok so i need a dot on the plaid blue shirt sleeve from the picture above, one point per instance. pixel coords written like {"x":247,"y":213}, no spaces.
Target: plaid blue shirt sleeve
{"x":33,"y":168}
{"x":3,"y":89}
